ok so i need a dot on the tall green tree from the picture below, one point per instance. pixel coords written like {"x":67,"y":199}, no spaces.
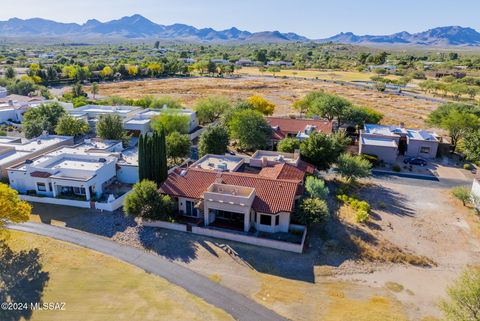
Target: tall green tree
{"x":71,"y":126}
{"x":152,"y":157}
{"x":250,"y":129}
{"x":323,"y":150}
{"x":110,"y":127}
{"x":44,"y":117}
{"x":214,"y":140}
{"x":171,"y":122}
{"x":211,"y":108}
{"x":146,"y":202}
{"x":288,"y":145}
{"x":10,"y":73}
{"x":178,"y":146}
{"x":353,"y":167}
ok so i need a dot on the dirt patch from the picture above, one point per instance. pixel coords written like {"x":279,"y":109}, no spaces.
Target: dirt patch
{"x":282,"y":92}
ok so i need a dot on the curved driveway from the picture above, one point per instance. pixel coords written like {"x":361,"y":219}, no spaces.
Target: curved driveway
{"x":237,"y":305}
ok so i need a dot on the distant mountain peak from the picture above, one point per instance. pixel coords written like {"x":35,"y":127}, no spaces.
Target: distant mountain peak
{"x":441,"y":36}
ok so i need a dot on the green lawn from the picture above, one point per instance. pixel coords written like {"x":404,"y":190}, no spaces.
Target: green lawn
{"x":98,"y":287}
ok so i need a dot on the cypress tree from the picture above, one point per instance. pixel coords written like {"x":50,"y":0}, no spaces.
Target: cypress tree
{"x":141,"y":162}
{"x":163,"y":157}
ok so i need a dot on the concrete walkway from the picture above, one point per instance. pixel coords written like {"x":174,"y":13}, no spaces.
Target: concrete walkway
{"x":237,"y":305}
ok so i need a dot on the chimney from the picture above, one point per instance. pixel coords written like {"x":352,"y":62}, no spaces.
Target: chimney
{"x":296,"y":154}
{"x":264,"y":161}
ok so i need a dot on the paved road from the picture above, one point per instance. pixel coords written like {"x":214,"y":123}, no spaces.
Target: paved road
{"x":444,"y":183}
{"x":237,"y":305}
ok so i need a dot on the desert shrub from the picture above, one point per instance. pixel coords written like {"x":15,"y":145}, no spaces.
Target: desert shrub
{"x":463,"y":194}
{"x":467,"y":166}
{"x":396,"y":168}
{"x":362,"y":216}
{"x":372,"y":159}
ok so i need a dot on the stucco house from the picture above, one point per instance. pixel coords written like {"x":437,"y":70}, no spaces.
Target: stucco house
{"x":234,"y":193}
{"x":389,"y":142}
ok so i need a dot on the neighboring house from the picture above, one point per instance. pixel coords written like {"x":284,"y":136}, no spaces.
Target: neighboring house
{"x":81,"y":171}
{"x":14,"y":150}
{"x":245,"y":63}
{"x":135,"y":119}
{"x":297,"y":128}
{"x":389,"y":142}
{"x":189,"y":61}
{"x":236,"y":193}
{"x":13,"y":107}
{"x":280,"y":63}
{"x":220,"y":61}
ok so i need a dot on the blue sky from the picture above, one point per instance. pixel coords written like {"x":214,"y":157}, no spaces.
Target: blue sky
{"x":314,"y":19}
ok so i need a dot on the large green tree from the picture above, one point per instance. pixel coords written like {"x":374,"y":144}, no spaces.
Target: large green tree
{"x":323,"y":150}
{"x":178,"y":146}
{"x":457,"y":119}
{"x":471,"y":145}
{"x":44,"y":117}
{"x":71,"y":126}
{"x":250,"y":129}
{"x":214,"y":140}
{"x":144,"y":201}
{"x":288,"y":145}
{"x":211,"y":108}
{"x":110,"y":127}
{"x":170,"y":122}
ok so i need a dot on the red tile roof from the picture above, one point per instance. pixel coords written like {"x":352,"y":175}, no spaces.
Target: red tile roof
{"x":272,"y":195}
{"x":283,"y":171}
{"x":294,"y":125}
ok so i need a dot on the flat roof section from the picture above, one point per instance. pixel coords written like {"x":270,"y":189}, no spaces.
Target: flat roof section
{"x":381,"y":142}
{"x":219,"y":163}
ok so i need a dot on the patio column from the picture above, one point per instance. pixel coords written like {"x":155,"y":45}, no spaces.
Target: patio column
{"x":87,"y":193}
{"x":246,"y":221}
{"x":54,"y":190}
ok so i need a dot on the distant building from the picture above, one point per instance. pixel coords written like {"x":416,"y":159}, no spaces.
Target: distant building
{"x":245,"y":63}
{"x":3,"y":92}
{"x":390,"y":68}
{"x":280,"y":63}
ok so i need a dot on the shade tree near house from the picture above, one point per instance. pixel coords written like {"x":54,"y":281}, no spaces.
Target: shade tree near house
{"x":316,"y":188}
{"x":45,"y":117}
{"x":12,"y":208}
{"x":463,"y":302}
{"x":149,"y":101}
{"x":71,"y":126}
{"x":110,"y":127}
{"x":288,"y":145}
{"x":261,"y":105}
{"x":311,"y":211}
{"x":152,"y":157}
{"x":171,"y":121}
{"x":214,"y":140}
{"x":352,"y":167}
{"x":178,"y":146}
{"x":323,"y":150}
{"x":145,"y":202}
{"x":250,"y":129}
{"x":211,"y":108}
{"x":333,"y":107}
{"x":457,"y":119}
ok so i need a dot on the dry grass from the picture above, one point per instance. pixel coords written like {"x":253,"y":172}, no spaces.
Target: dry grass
{"x":282,"y":92}
{"x":98,"y":287}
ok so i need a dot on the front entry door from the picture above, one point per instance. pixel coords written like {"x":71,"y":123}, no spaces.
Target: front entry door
{"x":191,"y":210}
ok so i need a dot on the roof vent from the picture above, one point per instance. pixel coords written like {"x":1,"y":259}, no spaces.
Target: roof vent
{"x":183,"y":172}
{"x":102,"y":160}
{"x":28,"y":161}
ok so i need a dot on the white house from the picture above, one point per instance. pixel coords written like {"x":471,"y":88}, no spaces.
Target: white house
{"x":14,"y":150}
{"x":82,"y":171}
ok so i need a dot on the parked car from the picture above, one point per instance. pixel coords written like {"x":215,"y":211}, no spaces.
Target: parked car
{"x":415,"y":161}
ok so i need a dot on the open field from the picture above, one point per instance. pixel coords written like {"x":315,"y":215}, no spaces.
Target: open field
{"x":315,"y":74}
{"x":97,"y":287}
{"x":283,"y":92}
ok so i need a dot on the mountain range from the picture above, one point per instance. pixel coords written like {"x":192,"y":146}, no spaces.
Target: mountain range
{"x":139,"y":27}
